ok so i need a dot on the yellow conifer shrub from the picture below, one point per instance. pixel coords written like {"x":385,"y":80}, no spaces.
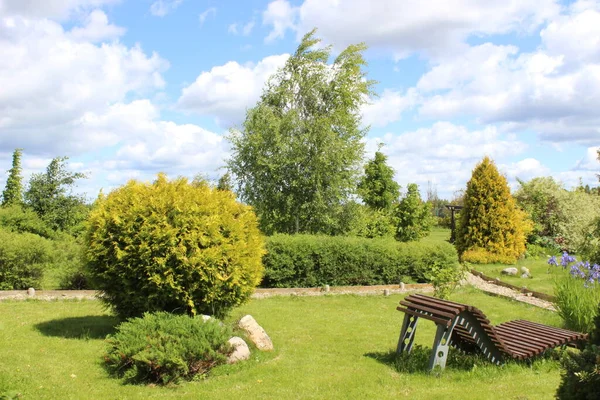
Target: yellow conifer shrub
{"x":492,"y":228}
{"x":173,"y":246}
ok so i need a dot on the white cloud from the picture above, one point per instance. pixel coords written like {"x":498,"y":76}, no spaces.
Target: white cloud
{"x":233,"y":28}
{"x":444,"y":154}
{"x":281,"y":16}
{"x":387,"y":108}
{"x":440,"y":27}
{"x":96,"y":29}
{"x":50,"y":81}
{"x":160,"y":8}
{"x":244,"y":30}
{"x":60,"y":9}
{"x":226,"y":91}
{"x":210,"y":11}
{"x":590,"y":161}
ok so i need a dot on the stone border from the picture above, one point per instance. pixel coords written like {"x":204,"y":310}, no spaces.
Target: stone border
{"x":258,"y":294}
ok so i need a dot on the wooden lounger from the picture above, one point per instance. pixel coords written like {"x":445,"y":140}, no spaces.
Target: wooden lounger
{"x":466,"y":327}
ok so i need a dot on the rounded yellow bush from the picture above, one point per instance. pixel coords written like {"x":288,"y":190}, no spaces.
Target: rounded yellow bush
{"x":173,"y":246}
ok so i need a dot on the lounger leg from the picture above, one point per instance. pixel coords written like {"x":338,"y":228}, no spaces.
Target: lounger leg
{"x":407,"y":334}
{"x":441,"y":345}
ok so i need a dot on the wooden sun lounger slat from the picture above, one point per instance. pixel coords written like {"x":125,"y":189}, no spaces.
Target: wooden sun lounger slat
{"x":519,"y":339}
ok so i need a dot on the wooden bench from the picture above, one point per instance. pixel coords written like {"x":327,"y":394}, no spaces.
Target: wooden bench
{"x":465,"y":327}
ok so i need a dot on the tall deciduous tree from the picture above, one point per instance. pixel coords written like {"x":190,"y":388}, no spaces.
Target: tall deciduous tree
{"x":413,"y":216}
{"x":49,"y":195}
{"x":492,"y":228}
{"x":377,"y":187}
{"x":13,"y":191}
{"x":297,"y":157}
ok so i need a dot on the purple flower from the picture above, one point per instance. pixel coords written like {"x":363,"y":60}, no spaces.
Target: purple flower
{"x":576,"y":272}
{"x":552,"y":261}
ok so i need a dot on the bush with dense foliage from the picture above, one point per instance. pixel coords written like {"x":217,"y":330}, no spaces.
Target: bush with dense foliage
{"x":23,"y":259}
{"x":16,"y":218}
{"x":492,"y":228}
{"x":377,"y":187}
{"x":354,"y":219}
{"x":412,"y":216}
{"x":581,"y":371}
{"x":315,"y":260}
{"x":562,"y":218}
{"x":174,"y":246}
{"x":165,"y":348}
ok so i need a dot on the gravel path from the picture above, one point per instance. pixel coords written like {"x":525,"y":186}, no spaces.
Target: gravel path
{"x":506,"y":292}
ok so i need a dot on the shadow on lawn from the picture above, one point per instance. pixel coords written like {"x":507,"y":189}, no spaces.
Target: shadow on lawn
{"x":88,"y":327}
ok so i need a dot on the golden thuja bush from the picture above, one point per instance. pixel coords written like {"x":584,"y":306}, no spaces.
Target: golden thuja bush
{"x":173,"y":246}
{"x":492,"y":228}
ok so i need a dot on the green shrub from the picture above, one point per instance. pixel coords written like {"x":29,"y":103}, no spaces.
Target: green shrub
{"x":576,"y":303}
{"x":69,"y":264}
{"x":173,"y":246}
{"x":165,"y":348}
{"x":316,"y":260}
{"x":18,"y":219}
{"x":23,"y":259}
{"x":581,"y":371}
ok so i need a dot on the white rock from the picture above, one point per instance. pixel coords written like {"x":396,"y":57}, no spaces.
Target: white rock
{"x":525,"y":270}
{"x":256,"y":333}
{"x":525,"y":276}
{"x":31,"y":291}
{"x":205,"y":317}
{"x":510,"y":271}
{"x":241,"y":350}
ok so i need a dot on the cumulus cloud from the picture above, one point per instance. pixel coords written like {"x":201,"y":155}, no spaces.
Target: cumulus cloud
{"x":51,"y":78}
{"x":96,"y":29}
{"x":404,"y":27}
{"x":160,"y":8}
{"x":59,"y":9}
{"x":387,"y":108}
{"x":226,"y":91}
{"x":444,"y":153}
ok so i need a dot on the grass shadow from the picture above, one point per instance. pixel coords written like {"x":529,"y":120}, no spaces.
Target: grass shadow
{"x":88,"y":327}
{"x":418,"y":360}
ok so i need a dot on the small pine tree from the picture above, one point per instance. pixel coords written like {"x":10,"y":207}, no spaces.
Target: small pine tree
{"x":225,"y":182}
{"x":413,"y":216}
{"x":377,"y":187}
{"x":492,"y":228}
{"x":13,"y":192}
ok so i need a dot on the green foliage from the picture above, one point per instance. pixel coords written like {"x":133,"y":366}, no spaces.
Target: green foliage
{"x":581,"y":371}
{"x":225,"y":182}
{"x":13,"y":191}
{"x":445,"y":280}
{"x":413,"y":216}
{"x":165,"y":348}
{"x":297,"y":158}
{"x":417,"y":361}
{"x":23,"y":259}
{"x":355,"y":219}
{"x":173,"y":246}
{"x":315,"y":260}
{"x":377,"y":187}
{"x":16,"y":218}
{"x":561,"y":218}
{"x":492,"y":228}
{"x":49,"y":195}
{"x":576,"y":303}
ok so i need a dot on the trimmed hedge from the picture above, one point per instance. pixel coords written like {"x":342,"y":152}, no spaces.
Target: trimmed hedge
{"x":316,"y":260}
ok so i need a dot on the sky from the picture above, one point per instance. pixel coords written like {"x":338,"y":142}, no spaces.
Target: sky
{"x":130,"y":88}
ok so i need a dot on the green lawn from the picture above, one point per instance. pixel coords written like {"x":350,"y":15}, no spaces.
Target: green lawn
{"x":331,"y":347}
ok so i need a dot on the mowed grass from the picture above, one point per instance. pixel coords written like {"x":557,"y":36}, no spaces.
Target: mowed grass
{"x":330,"y":347}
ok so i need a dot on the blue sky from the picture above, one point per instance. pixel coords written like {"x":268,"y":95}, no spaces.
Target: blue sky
{"x":129,"y":88}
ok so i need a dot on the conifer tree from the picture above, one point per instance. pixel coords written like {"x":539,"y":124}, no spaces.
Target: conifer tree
{"x":377,"y":187}
{"x":413,"y":216}
{"x":492,"y":228}
{"x":13,"y":192}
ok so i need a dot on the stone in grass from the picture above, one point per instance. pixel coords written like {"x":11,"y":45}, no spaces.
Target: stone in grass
{"x":241,"y":350}
{"x":512,"y":271}
{"x":256,"y":333}
{"x":525,"y":270}
{"x":525,"y":276}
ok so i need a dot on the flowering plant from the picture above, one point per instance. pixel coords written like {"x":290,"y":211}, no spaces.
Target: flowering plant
{"x":580,"y":269}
